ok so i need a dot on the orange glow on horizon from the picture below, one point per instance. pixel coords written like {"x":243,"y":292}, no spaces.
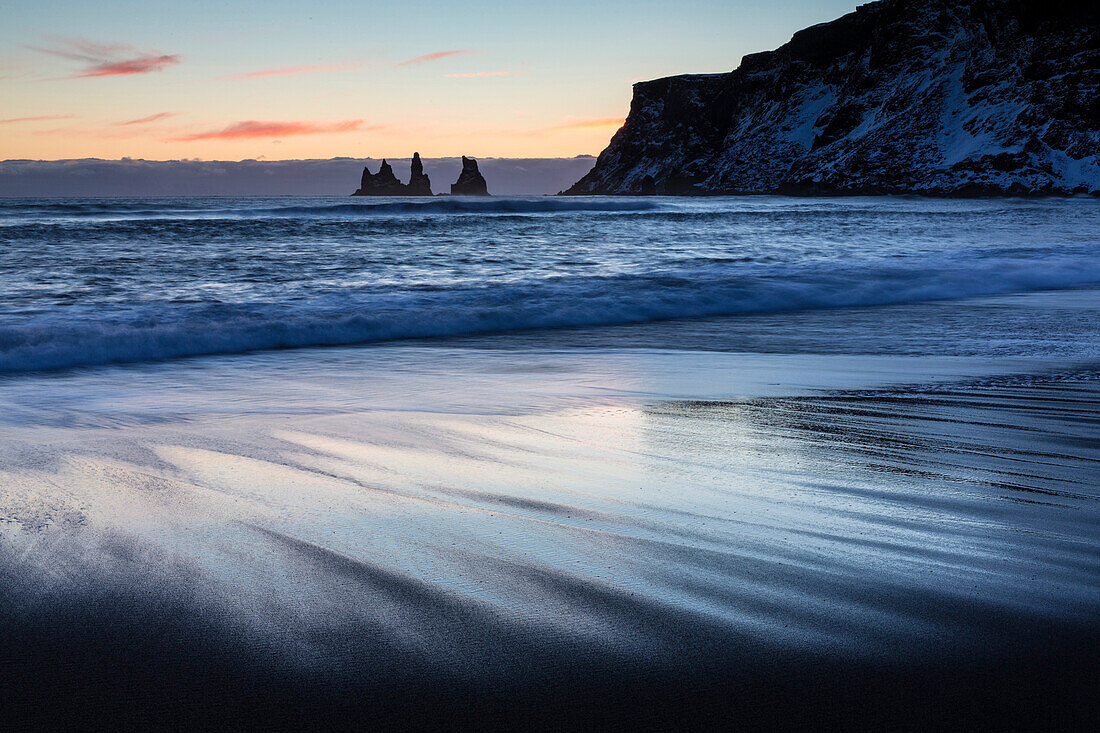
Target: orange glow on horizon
{"x":169,"y":136}
{"x":601,"y":123}
{"x":291,"y":71}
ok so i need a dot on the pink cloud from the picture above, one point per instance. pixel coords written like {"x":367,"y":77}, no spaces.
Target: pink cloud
{"x":259,"y":129}
{"x":477,"y":74}
{"x":108,"y":59}
{"x":292,"y":70}
{"x":428,"y":57}
{"x":36,"y":119}
{"x":139,"y":65}
{"x":145,"y":120}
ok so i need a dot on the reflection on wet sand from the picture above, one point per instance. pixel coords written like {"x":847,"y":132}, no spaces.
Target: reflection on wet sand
{"x":638,"y":558}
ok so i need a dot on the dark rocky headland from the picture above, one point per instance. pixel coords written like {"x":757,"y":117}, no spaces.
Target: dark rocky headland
{"x":935,"y":97}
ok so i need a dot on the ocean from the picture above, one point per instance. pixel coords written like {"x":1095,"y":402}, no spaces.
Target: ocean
{"x":85,"y":282}
{"x":601,"y":463}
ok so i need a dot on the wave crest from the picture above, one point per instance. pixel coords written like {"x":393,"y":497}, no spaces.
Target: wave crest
{"x":95,"y":336}
{"x":459,"y":205}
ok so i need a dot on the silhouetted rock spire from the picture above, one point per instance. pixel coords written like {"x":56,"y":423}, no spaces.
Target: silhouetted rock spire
{"x":419,"y":183}
{"x":382,"y":183}
{"x":385,"y":183}
{"x":385,"y":176}
{"x":470,"y":181}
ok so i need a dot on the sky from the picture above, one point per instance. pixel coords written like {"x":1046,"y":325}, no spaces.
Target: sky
{"x":272,"y":80}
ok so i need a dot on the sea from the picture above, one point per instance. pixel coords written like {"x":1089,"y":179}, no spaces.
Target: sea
{"x":88,"y":282}
{"x":550,"y":463}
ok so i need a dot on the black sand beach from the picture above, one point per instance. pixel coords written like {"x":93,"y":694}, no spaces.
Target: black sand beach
{"x":453,"y":535}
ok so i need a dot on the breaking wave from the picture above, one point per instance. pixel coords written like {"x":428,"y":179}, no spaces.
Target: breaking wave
{"x":96,"y":335}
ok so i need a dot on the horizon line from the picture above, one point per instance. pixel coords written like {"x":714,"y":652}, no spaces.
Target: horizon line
{"x":299,"y":160}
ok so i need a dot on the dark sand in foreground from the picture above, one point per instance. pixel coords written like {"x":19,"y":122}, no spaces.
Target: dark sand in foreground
{"x":552,"y":540}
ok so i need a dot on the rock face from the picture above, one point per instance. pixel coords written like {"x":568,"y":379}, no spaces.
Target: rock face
{"x":385,"y":183}
{"x":419,"y":183}
{"x":382,"y":183}
{"x":939,"y":97}
{"x":470,"y":181}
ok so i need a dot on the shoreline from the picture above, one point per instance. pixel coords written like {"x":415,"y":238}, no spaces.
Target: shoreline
{"x":866,"y":517}
{"x":555,"y":555}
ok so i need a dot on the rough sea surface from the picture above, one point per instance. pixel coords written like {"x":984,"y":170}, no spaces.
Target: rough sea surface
{"x":86,"y":282}
{"x":549,"y":463}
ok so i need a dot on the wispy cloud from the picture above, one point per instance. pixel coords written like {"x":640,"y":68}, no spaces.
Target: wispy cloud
{"x":108,"y":59}
{"x":597,"y":123}
{"x":139,"y":65}
{"x":593,"y":124}
{"x":476,"y":74}
{"x":293,"y":70}
{"x":40,"y":118}
{"x":260,"y":129}
{"x":428,"y":57}
{"x":146,"y":120}
{"x":111,"y":132}
{"x":572,"y":125}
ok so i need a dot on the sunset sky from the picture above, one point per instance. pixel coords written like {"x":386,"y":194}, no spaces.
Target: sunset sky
{"x":275,"y":80}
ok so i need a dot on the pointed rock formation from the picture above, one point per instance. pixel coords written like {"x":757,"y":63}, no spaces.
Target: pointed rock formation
{"x":382,"y":183}
{"x":385,"y":175}
{"x":385,"y":183}
{"x":470,"y":182}
{"x":419,"y":183}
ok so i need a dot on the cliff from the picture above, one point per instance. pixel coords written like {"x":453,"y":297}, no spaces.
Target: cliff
{"x":939,"y":97}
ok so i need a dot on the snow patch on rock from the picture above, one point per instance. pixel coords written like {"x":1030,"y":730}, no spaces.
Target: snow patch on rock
{"x":937,"y":97}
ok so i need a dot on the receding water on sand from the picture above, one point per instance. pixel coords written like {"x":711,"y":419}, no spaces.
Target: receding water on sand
{"x":563,"y":529}
{"x":612,"y":463}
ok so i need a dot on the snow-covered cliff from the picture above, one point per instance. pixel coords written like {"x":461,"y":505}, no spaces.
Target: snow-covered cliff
{"x":942,"y":97}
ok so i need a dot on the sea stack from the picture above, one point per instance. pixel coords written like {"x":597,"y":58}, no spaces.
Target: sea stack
{"x":419,"y":183}
{"x":382,"y":183}
{"x":470,"y":181}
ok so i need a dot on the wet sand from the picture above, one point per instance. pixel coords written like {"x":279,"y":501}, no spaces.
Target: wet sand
{"x":417,"y":535}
